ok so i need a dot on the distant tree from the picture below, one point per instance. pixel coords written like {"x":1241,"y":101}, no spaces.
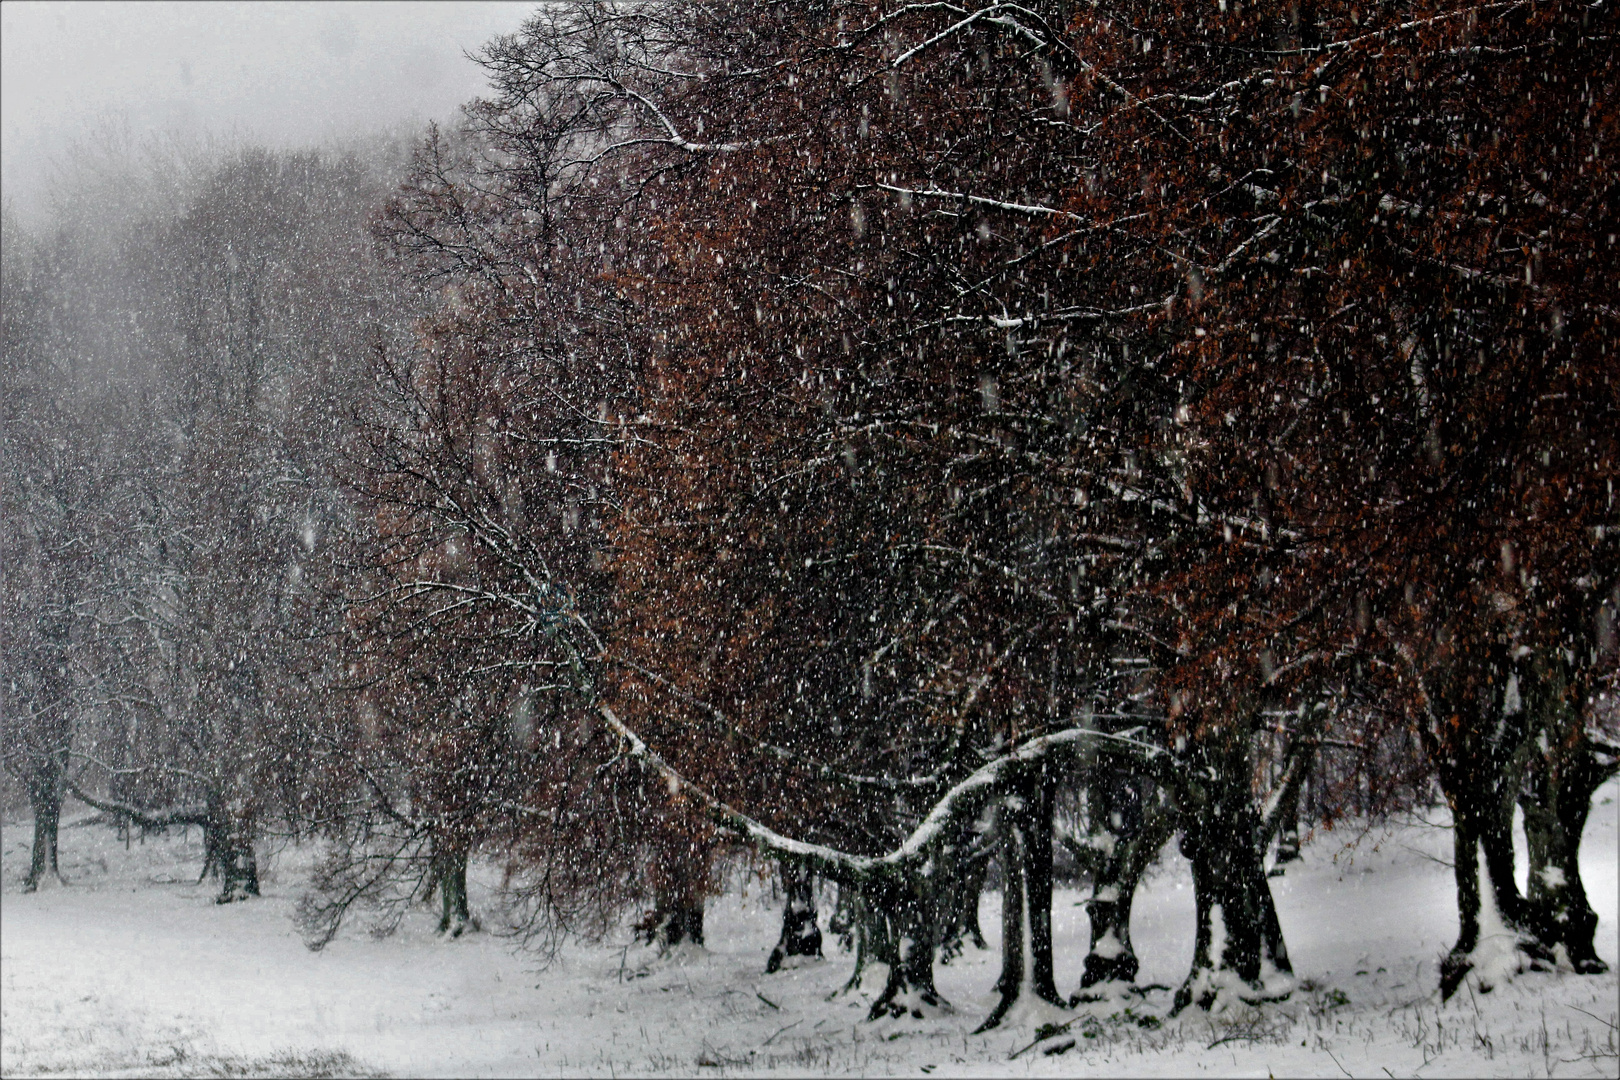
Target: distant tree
{"x":254,"y":313}
{"x":53,"y":502}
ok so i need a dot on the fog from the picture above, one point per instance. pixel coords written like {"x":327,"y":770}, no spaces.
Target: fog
{"x":282,"y":74}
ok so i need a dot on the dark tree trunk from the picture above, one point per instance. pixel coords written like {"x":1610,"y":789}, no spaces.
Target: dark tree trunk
{"x":681,"y":875}
{"x":1138,"y":822}
{"x":1026,"y":861}
{"x":902,"y":926}
{"x":1239,"y":943}
{"x":892,"y":925}
{"x":228,"y":850}
{"x":859,"y":930}
{"x":1563,"y":775}
{"x":1288,"y":833}
{"x":1561,"y":789}
{"x":449,"y":876}
{"x":800,"y":934}
{"x":1482,"y":846}
{"x":1111,"y":957}
{"x":45,"y":798}
{"x":959,"y":912}
{"x":674,"y":921}
{"x":1481,"y":766}
{"x":1282,"y":817}
{"x":842,"y":921}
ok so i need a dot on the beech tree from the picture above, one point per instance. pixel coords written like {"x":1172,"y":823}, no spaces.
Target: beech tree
{"x":248,"y":304}
{"x":1389,"y":227}
{"x":486,"y":475}
{"x":58,"y":493}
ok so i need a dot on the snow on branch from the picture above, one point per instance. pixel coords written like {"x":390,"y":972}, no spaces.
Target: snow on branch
{"x":147,"y":819}
{"x":961,"y":803}
{"x":979,"y":200}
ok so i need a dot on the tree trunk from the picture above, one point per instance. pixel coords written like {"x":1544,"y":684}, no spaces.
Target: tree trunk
{"x":1239,"y":943}
{"x":800,"y":934}
{"x":858,"y":929}
{"x":45,"y":798}
{"x":674,"y":920}
{"x":1288,"y":834}
{"x":1557,"y":910}
{"x":449,"y":870}
{"x":892,"y":925}
{"x":1479,"y":739}
{"x":1137,"y":822}
{"x":1026,"y":920}
{"x":1480,"y":771}
{"x":903,"y":926}
{"x":681,"y":876}
{"x":1563,"y":776}
{"x":228,"y":850}
{"x":959,"y":914}
{"x":1490,"y":937}
{"x":842,"y":921}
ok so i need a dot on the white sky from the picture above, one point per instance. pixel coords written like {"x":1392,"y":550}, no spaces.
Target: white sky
{"x":280,"y":73}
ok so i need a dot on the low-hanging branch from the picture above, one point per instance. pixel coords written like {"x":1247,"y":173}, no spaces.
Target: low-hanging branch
{"x":959,"y":804}
{"x":146,"y":818}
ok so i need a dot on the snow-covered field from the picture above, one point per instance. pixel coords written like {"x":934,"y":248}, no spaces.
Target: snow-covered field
{"x":132,"y":970}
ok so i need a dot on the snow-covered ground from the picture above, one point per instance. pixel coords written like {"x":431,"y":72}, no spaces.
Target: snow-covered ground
{"x":133,"y":970}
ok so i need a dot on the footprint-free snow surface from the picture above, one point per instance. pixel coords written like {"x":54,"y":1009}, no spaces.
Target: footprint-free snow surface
{"x":132,"y":970}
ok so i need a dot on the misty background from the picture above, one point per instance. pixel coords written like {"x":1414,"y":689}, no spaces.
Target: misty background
{"x":80,"y":76}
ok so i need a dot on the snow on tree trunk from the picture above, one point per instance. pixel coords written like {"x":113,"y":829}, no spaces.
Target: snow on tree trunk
{"x":1288,"y":832}
{"x":1563,"y":775}
{"x":1238,"y":948}
{"x":1489,"y":946}
{"x":903,"y":927}
{"x":801,"y":936}
{"x":1492,"y":944}
{"x":228,"y":850}
{"x":1129,"y":827}
{"x":892,"y":924}
{"x":1481,"y":765}
{"x":1554,"y":818}
{"x":1026,"y":860}
{"x":675,"y":921}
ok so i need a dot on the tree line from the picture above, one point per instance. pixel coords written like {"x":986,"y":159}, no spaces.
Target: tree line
{"x":907,"y":446}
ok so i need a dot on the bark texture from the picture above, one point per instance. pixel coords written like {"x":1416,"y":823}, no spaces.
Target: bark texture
{"x":801,"y":936}
{"x":1238,"y":945}
{"x":1131,"y":822}
{"x":45,"y":799}
{"x":1025,"y":824}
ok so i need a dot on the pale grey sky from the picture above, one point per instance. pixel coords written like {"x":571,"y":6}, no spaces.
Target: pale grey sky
{"x":281,"y":73}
